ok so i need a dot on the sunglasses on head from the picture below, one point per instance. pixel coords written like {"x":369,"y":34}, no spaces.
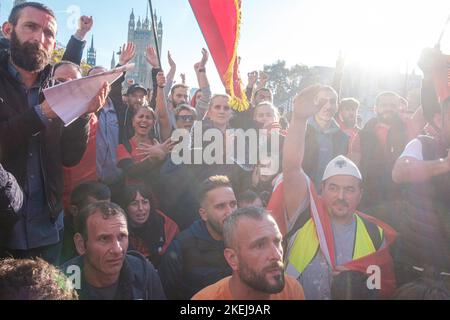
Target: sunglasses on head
{"x":186,"y":118}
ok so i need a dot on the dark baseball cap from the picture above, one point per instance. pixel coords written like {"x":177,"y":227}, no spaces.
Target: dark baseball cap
{"x":136,"y":87}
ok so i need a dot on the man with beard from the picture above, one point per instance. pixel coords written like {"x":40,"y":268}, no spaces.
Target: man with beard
{"x":195,"y":258}
{"x":347,"y":118}
{"x":253,"y":249}
{"x":326,"y":235}
{"x":75,"y":46}
{"x":34,"y":142}
{"x":382,"y":141}
{"x":347,"y":115}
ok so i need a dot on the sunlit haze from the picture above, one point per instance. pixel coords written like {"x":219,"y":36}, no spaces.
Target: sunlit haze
{"x":381,"y":34}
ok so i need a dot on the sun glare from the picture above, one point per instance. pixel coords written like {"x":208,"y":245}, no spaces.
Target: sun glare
{"x":389,"y":35}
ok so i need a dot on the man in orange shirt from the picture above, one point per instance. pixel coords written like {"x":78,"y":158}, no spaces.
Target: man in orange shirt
{"x":253,"y":249}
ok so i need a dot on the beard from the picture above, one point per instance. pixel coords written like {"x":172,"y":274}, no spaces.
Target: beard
{"x":389,"y":118}
{"x":215,"y":225}
{"x":28,"y":56}
{"x":258,"y":281}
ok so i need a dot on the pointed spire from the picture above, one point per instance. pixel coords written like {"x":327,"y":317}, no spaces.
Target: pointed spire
{"x":138,"y":25}
{"x":146,"y":24}
{"x":160,"y":23}
{"x":113,"y":60}
{"x":92,"y":54}
{"x":132,"y":14}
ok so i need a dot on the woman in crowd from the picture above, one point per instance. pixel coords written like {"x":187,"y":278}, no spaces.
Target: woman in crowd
{"x":141,"y":157}
{"x":151,"y":231}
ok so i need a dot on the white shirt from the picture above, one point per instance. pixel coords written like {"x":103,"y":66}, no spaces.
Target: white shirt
{"x":413,"y":150}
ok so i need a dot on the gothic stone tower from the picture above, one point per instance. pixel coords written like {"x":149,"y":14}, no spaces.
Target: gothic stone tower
{"x":142,"y":35}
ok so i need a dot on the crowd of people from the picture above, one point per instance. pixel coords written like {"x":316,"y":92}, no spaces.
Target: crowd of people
{"x":99,"y":210}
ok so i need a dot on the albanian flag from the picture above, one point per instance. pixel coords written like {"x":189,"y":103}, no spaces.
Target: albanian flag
{"x":219,"y":21}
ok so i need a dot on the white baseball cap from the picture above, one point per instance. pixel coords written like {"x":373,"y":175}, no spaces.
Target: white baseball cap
{"x":341,"y":166}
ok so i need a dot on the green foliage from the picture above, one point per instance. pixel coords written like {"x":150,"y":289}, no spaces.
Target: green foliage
{"x":58,"y":54}
{"x":285,"y":82}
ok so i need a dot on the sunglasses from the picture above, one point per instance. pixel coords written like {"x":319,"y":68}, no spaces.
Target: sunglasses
{"x":186,"y":118}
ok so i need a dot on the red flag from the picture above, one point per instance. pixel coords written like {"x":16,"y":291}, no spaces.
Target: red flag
{"x":220,"y":21}
{"x":381,"y":258}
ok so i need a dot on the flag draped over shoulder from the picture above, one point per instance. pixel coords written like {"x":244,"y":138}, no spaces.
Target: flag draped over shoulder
{"x":220,"y":21}
{"x":381,"y":258}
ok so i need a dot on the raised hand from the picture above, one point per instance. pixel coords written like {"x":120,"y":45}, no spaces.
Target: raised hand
{"x":100,"y":99}
{"x":127,"y":53}
{"x":183,"y":78}
{"x":85,"y":24}
{"x":205,"y":56}
{"x":161,"y":79}
{"x":263,"y":77}
{"x":252,"y":78}
{"x":201,"y":65}
{"x":305,"y":104}
{"x":172,"y":63}
{"x":152,"y":57}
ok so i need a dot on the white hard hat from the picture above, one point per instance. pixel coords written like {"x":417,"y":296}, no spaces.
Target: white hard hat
{"x":341,"y":166}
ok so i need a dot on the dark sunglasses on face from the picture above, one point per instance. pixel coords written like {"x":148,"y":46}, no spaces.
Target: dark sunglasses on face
{"x":186,"y":118}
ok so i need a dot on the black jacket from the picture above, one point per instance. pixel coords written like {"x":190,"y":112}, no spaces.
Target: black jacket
{"x":138,"y":279}
{"x":377,"y":162}
{"x":74,"y":50}
{"x":59,"y":146}
{"x":193,"y":261}
{"x":11,"y":199}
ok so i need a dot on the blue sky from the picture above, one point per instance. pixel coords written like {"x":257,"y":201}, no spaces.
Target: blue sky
{"x":380,"y":33}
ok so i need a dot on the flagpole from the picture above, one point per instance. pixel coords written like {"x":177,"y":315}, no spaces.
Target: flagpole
{"x":406,"y":79}
{"x":154,"y":32}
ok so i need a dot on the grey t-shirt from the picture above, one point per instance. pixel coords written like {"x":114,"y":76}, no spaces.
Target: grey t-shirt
{"x":316,"y":278}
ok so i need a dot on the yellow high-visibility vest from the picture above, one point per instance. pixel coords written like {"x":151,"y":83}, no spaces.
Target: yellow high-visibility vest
{"x":306,"y":244}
